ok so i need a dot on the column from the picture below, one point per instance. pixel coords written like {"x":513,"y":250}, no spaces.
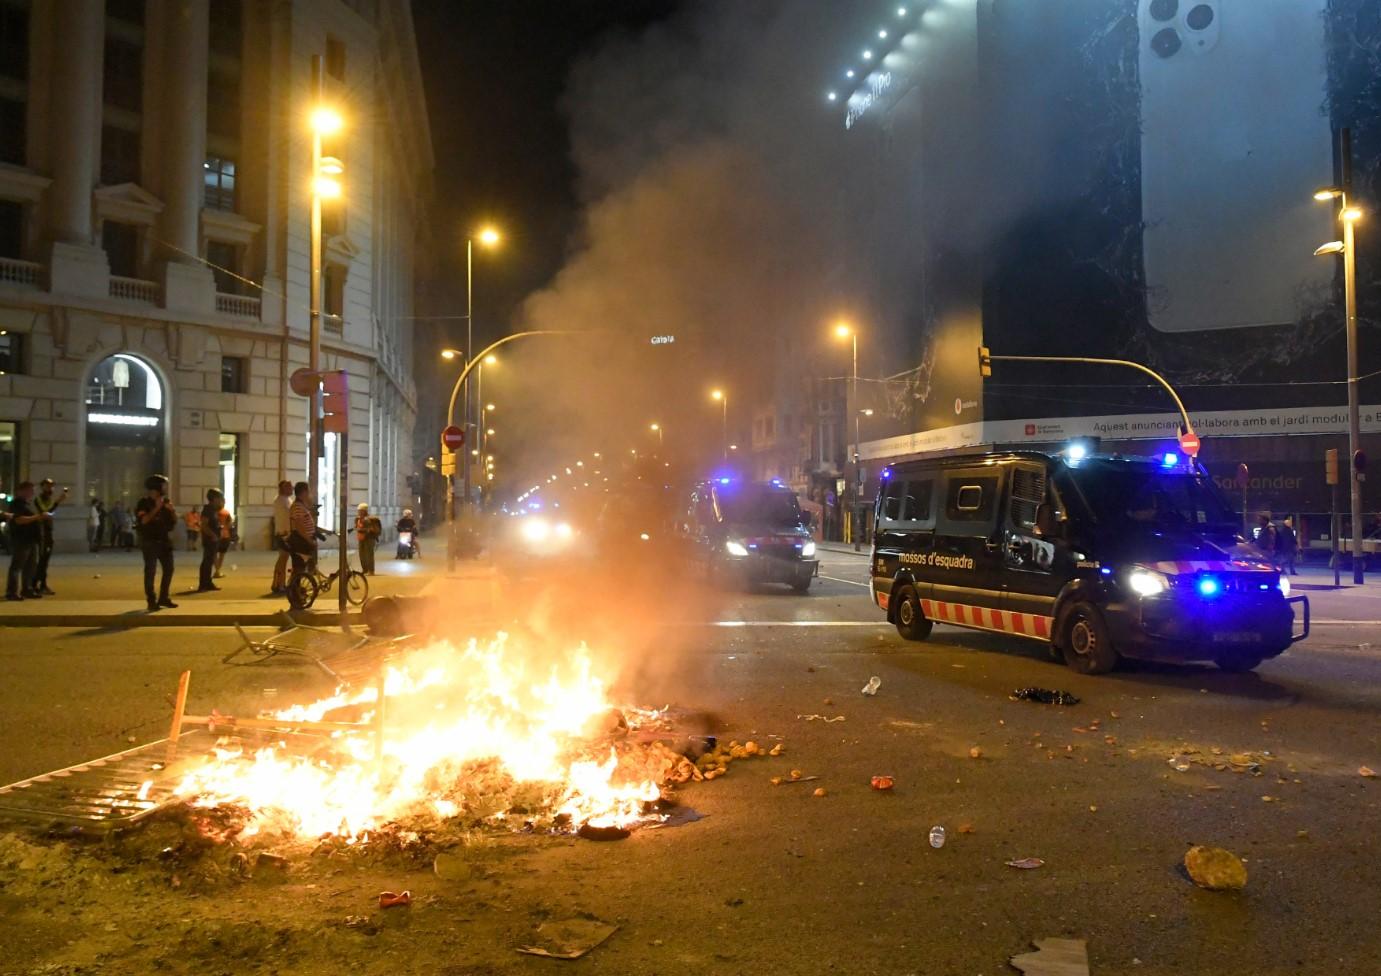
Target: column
{"x":185,"y":33}
{"x":77,"y":265}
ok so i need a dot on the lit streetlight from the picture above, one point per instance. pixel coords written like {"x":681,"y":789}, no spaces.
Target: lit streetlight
{"x":845,"y":330}
{"x":488,"y":237}
{"x":657,"y":429}
{"x":1348,"y":215}
{"x":325,"y":184}
{"x":723,"y":399}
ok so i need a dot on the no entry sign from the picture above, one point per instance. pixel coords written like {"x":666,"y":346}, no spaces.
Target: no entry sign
{"x":1189,"y":443}
{"x":452,"y":438}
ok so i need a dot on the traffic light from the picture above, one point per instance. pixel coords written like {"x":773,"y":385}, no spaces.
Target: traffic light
{"x":335,"y":402}
{"x":1330,"y":466}
{"x":985,"y":361}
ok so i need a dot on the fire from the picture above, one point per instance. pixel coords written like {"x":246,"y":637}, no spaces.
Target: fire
{"x":456,"y":721}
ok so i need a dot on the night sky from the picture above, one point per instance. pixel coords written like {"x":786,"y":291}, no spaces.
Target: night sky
{"x":495,"y":72}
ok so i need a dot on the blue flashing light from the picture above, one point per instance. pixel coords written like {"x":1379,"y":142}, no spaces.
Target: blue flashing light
{"x":886,"y":473}
{"x":1106,"y":571}
{"x":1076,"y":452}
{"x":777,"y":482}
{"x":1208,"y":586}
{"x":1170,"y":459}
{"x":725,"y":481}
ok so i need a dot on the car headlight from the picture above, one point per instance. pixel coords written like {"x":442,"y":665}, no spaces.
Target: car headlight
{"x":535,"y":529}
{"x":736,"y":548}
{"x":564,"y":531}
{"x":808,"y":549}
{"x":1285,"y":586}
{"x":1146,"y":582}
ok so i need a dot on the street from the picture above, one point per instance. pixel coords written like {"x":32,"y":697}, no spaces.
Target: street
{"x":775,"y":877}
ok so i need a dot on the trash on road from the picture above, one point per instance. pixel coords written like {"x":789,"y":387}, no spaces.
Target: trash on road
{"x":1215,"y":868}
{"x":395,"y":899}
{"x":871,"y":688}
{"x":1045,"y":696}
{"x":1027,"y":863}
{"x":821,"y":718}
{"x":1054,"y":957}
{"x":975,"y":752}
{"x":1366,"y":772}
{"x":568,"y":939}
{"x":882,"y":783}
{"x":452,"y":867}
{"x":591,"y":832}
{"x":820,"y":791}
{"x":937,"y":837}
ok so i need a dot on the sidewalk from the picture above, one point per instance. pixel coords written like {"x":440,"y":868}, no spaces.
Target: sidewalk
{"x":106,"y":590}
{"x":845,"y":549}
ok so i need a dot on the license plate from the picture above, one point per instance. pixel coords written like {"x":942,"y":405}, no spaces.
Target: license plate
{"x":1235,"y":637}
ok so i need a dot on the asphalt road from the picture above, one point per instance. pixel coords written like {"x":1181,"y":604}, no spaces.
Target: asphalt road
{"x":776,"y":879}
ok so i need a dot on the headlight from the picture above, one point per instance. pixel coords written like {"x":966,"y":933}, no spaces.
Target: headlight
{"x":564,"y":531}
{"x":736,"y":548}
{"x":535,"y":529}
{"x":1285,"y":586}
{"x":808,"y":549}
{"x":1145,"y":582}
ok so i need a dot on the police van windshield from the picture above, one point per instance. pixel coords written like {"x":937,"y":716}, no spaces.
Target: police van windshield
{"x":1160,"y":499}
{"x":758,"y":505}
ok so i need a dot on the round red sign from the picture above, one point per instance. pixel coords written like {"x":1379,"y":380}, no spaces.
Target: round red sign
{"x":452,"y":438}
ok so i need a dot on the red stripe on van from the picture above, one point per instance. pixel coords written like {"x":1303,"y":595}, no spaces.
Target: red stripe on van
{"x":1042,"y":628}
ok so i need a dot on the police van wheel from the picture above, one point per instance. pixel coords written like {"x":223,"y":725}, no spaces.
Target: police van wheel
{"x":911,"y":620}
{"x":1087,"y":647}
{"x":1239,"y":663}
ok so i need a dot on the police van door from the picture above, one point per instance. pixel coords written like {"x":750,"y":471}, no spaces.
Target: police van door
{"x":966,"y":562}
{"x":1036,"y":561}
{"x":904,"y":531}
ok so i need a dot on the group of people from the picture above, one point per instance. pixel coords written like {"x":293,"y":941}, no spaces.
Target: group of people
{"x":113,"y":527}
{"x":30,"y":526}
{"x":1279,"y":543}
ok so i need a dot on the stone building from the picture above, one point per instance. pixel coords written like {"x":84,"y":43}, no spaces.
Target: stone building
{"x":155,"y":174}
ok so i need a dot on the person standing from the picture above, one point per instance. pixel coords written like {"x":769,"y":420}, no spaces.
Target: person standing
{"x":95,"y":517}
{"x":1266,"y":536}
{"x":121,"y":533}
{"x":156,"y":520}
{"x":47,"y":503}
{"x":193,"y":520}
{"x":26,"y":536}
{"x":282,"y":526}
{"x":302,"y":537}
{"x":210,"y":539}
{"x":368,"y":528}
{"x":1287,"y":547}
{"x":228,"y":537}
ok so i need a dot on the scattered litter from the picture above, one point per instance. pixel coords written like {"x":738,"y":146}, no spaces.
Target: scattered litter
{"x":775,"y":750}
{"x":1045,"y":696}
{"x":1215,"y":868}
{"x":362,"y":923}
{"x":591,"y":832}
{"x":796,"y":774}
{"x":965,"y":828}
{"x":1366,"y":772}
{"x":937,"y":837}
{"x":882,"y":783}
{"x":1268,"y":799}
{"x":568,"y":939}
{"x":452,"y":867}
{"x":271,"y":862}
{"x":822,"y":718}
{"x":975,"y":752}
{"x":1026,"y":863}
{"x":679,"y":817}
{"x":828,"y":701}
{"x":820,"y":791}
{"x":1179,"y":764}
{"x":1237,"y":762}
{"x":1054,"y":957}
{"x":395,"y":899}
{"x":794,"y":779}
{"x":871,"y":688}
{"x":1092,"y":808}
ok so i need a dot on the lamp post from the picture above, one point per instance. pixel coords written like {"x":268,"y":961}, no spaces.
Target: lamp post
{"x":657,"y":429}
{"x":488,"y":237}
{"x":324,"y":121}
{"x":1348,"y":215}
{"x":844,"y":330}
{"x":723,"y":399}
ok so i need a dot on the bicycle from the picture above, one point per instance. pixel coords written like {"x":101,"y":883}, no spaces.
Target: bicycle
{"x":304,"y":586}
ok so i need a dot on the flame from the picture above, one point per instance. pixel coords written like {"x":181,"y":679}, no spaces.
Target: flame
{"x":450,"y":715}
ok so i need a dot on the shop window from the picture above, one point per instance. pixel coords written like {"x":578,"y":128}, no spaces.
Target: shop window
{"x":119,"y":155}
{"x":232,"y":374}
{"x":13,"y":129}
{"x":218,"y":177}
{"x":11,"y":229}
{"x":225,"y":266}
{"x":9,"y":458}
{"x":121,"y":244}
{"x":11,"y":352}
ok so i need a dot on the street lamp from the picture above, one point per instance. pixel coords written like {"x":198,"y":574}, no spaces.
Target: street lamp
{"x":723,"y":399}
{"x":845,"y":330}
{"x":325,"y":184}
{"x":488,"y":237}
{"x":657,"y":429}
{"x":1348,"y":216}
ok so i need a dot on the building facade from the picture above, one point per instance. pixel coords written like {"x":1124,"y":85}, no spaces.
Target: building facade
{"x":155,"y":192}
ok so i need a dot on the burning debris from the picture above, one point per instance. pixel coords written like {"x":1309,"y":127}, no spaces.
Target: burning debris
{"x":484,"y":733}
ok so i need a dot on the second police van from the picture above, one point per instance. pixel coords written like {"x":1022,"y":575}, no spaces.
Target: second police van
{"x":1100,"y":557}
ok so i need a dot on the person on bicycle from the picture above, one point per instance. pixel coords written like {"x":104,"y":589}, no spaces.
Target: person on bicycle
{"x":302,"y":535}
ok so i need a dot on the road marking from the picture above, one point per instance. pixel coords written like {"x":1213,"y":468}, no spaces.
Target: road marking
{"x":836,"y":579}
{"x":1360,"y":623}
{"x":798,"y":623}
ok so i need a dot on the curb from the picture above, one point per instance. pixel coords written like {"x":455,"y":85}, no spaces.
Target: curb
{"x":134,"y":619}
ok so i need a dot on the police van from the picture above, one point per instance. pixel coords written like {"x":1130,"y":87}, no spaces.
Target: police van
{"x":1100,"y":557}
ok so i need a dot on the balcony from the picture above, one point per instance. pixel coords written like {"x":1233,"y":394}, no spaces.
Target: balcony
{"x":240,"y":306}
{"x":26,"y":274}
{"x":134,"y":290}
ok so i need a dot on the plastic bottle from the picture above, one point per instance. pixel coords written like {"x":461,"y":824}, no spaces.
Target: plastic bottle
{"x":937,"y":837}
{"x":871,"y":688}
